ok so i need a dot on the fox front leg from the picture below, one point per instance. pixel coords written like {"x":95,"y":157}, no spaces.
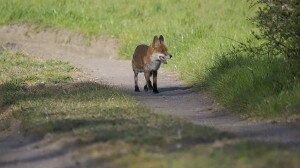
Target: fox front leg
{"x":136,"y":86}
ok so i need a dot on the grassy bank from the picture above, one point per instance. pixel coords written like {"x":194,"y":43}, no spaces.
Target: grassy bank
{"x":45,"y":98}
{"x":198,"y":33}
{"x":255,"y":86}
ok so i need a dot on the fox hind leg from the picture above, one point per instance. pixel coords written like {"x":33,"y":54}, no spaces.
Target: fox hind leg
{"x":148,"y":81}
{"x":136,"y":86}
{"x":155,"y":82}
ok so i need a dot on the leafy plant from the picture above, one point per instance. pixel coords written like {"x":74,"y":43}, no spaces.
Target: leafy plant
{"x":279,"y":26}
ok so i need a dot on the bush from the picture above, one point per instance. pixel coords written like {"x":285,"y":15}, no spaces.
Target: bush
{"x":279,"y":27}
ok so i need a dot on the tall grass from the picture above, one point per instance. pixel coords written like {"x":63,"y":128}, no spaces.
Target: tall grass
{"x":255,"y":85}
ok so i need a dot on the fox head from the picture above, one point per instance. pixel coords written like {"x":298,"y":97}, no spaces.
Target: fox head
{"x":159,"y":50}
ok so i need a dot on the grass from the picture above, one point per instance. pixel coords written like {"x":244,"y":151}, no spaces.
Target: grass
{"x":234,"y":155}
{"x":114,"y":128}
{"x":199,"y":34}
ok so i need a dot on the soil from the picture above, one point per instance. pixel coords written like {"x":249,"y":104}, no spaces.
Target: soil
{"x":98,"y":59}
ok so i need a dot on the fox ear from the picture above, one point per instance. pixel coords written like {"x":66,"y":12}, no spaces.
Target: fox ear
{"x":156,"y":42}
{"x":161,"y":38}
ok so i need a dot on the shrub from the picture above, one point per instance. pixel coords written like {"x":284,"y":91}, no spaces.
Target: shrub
{"x":278,"y":22}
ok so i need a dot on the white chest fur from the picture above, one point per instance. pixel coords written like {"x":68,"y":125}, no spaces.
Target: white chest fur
{"x":154,"y":65}
{"x":155,"y":62}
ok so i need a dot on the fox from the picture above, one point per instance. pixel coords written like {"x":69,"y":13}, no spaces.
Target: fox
{"x":147,"y":59}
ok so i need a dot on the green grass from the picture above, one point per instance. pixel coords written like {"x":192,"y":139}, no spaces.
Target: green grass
{"x":113,"y":127}
{"x":198,"y":34}
{"x":201,"y":156}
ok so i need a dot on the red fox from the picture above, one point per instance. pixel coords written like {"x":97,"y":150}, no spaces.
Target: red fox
{"x":147,"y":59}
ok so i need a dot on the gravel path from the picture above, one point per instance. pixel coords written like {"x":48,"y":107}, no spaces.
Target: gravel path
{"x":98,"y":61}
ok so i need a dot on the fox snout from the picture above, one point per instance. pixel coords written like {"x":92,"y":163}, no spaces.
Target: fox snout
{"x":164,"y":58}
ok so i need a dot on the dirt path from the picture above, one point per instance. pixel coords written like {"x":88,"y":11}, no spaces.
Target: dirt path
{"x":99,"y":63}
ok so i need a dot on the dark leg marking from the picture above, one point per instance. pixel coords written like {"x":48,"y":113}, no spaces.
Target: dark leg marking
{"x":150,"y":85}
